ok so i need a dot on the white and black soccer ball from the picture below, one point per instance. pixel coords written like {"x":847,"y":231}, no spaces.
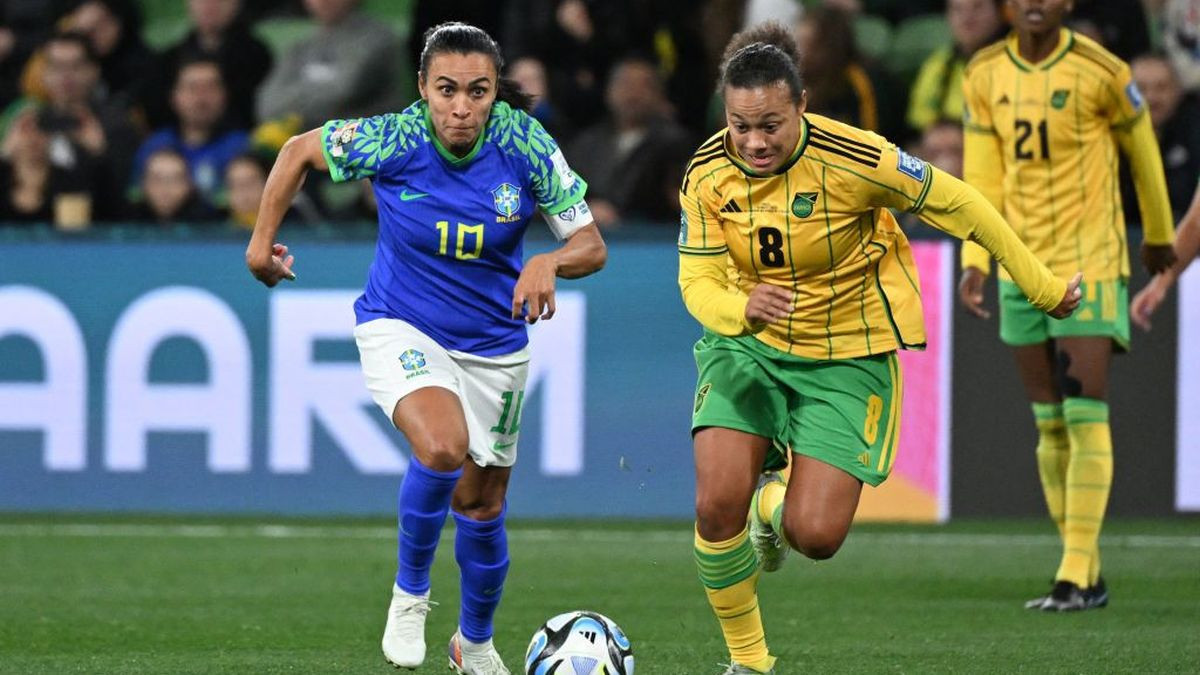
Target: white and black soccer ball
{"x":579,"y":643}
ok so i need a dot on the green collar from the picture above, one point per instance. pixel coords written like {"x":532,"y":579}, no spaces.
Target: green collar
{"x":450,"y":157}
{"x":801,"y":144}
{"x":1066,"y":39}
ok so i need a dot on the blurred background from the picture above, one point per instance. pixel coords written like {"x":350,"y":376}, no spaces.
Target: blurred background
{"x":143,"y":369}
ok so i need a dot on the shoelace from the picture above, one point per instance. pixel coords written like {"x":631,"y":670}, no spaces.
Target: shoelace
{"x":488,"y":663}
{"x":401,"y":613}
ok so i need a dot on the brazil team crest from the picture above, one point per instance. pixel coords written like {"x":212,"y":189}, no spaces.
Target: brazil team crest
{"x":803,"y":203}
{"x":412,"y":359}
{"x":508,"y":201}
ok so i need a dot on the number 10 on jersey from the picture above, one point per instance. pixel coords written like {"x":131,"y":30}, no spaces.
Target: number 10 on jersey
{"x":461,"y":232}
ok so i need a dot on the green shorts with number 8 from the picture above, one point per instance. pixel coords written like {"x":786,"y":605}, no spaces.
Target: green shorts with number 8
{"x":843,"y":412}
{"x":1103,"y":312}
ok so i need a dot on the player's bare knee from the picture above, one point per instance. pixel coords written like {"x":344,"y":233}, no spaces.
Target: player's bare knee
{"x":813,"y":539}
{"x":441,"y":452}
{"x":718,"y":519}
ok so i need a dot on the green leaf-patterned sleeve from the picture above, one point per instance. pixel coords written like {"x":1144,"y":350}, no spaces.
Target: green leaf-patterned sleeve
{"x":360,"y":148}
{"x":555,"y":185}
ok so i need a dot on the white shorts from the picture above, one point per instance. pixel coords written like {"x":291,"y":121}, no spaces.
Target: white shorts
{"x":398,"y":359}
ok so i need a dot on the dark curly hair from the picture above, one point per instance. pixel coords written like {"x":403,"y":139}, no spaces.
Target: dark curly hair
{"x":762,"y":55}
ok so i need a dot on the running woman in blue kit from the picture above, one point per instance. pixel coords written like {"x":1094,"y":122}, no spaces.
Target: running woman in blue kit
{"x":458,"y":176}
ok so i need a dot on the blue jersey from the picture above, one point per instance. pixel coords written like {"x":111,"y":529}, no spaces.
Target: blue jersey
{"x":451,"y":229}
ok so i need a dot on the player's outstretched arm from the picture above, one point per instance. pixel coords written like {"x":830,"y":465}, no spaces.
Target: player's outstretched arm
{"x":268,"y":261}
{"x":959,"y":209}
{"x":1187,"y":245}
{"x":582,"y":254}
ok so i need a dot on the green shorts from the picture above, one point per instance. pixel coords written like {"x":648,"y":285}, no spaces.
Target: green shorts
{"x":843,"y":412}
{"x":1104,"y":312}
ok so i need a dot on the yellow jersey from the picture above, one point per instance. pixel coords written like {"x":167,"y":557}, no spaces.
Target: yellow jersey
{"x":820,"y":225}
{"x":1041,"y":142}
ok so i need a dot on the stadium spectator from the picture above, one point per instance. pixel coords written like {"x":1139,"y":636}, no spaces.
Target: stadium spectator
{"x":115,"y":30}
{"x":202,"y":134}
{"x":245,"y":180}
{"x":839,"y":83}
{"x":33,"y":188}
{"x":633,"y":160}
{"x":578,"y":41}
{"x":167,"y":192}
{"x":1181,"y":39}
{"x":530,"y":74}
{"x":24,"y":26}
{"x":937,"y":91}
{"x":1176,"y":118}
{"x":87,"y":131}
{"x":1119,"y":25}
{"x":219,"y":33}
{"x":942,"y":146}
{"x":350,"y":66}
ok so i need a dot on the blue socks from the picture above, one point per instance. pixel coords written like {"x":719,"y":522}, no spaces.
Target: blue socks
{"x":481,"y":549}
{"x":424,"y":501}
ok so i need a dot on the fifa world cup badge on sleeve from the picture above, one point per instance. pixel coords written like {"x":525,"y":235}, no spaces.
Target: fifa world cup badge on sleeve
{"x":1134,"y":95}
{"x":341,"y":138}
{"x":565,"y":174}
{"x":913,"y":167}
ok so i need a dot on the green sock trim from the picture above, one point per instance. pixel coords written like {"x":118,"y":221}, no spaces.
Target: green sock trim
{"x":1047,"y":411}
{"x":722,"y":570}
{"x":1085,"y":411}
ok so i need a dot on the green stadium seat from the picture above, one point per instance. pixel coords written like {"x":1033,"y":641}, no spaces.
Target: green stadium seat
{"x":914,"y":40}
{"x":154,"y":11}
{"x":395,"y":13}
{"x":165,"y":31}
{"x":873,"y":35}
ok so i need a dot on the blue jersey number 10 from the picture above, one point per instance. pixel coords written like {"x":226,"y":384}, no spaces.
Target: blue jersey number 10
{"x":476,"y":231}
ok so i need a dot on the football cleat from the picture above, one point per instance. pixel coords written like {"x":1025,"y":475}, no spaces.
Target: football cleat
{"x":472,"y":659}
{"x":1065,"y":597}
{"x":404,"y":634}
{"x":769,"y":545}
{"x":736,"y":668}
{"x":1097,"y":595}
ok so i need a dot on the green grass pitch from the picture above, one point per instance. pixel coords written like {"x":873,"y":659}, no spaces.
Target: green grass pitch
{"x":159,"y":595}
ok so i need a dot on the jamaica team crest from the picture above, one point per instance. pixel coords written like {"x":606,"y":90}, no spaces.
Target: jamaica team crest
{"x":507,"y":199}
{"x":803,"y":203}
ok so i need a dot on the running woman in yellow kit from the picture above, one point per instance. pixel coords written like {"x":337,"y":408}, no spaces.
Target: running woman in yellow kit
{"x":805,"y":287}
{"x":1046,"y":110}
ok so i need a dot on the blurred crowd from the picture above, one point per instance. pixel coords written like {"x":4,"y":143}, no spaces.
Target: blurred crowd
{"x":157,"y":112}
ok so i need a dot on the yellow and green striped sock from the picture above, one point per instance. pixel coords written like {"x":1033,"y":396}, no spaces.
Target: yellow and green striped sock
{"x":1053,"y":454}
{"x":729,"y":572}
{"x":770,"y":504}
{"x":1089,"y":479}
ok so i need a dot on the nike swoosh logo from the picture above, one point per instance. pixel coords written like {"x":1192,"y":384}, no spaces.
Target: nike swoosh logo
{"x":406,"y":196}
{"x":503,"y":446}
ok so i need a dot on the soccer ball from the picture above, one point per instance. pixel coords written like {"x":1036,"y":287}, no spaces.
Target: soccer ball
{"x":579,"y":643}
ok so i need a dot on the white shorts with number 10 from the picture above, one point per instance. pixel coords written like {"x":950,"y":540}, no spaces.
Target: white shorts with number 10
{"x":397,"y":359}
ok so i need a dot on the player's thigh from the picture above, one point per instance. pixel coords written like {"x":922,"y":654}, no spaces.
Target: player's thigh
{"x":1036,"y":368}
{"x":849,"y":414}
{"x":819,"y":506}
{"x":415,"y":383}
{"x":728,"y":463}
{"x":1021,"y":323}
{"x":1083,"y":366}
{"x":493,"y":392}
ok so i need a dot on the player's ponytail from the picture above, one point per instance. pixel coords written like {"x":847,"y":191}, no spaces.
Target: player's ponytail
{"x":461,"y":38}
{"x":762,"y":55}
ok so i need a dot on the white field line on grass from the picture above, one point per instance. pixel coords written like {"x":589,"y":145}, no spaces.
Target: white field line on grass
{"x":519,"y":534}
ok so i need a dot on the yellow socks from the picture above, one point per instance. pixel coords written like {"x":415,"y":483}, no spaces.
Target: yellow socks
{"x":1088,"y":481}
{"x":729,"y":572}
{"x":1053,"y":454}
{"x":770,"y":505}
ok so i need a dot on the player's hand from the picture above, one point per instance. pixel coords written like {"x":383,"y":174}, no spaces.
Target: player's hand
{"x":1147,"y":301}
{"x":769,"y":303}
{"x":272,"y":267}
{"x":970,"y":292}
{"x":1157,"y":258}
{"x":533,"y":297}
{"x":1070,"y":300}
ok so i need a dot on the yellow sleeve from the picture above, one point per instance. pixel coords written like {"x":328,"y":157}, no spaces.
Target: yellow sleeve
{"x":983,"y":158}
{"x":959,"y":209}
{"x":1135,"y":134}
{"x":703,"y":279}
